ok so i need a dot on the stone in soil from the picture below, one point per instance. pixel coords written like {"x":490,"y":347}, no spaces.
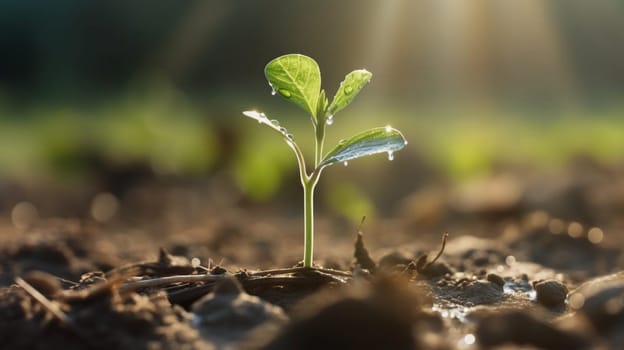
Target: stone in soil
{"x":551,"y":293}
{"x":228,"y":314}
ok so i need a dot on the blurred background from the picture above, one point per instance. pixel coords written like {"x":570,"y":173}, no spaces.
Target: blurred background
{"x":105,"y":104}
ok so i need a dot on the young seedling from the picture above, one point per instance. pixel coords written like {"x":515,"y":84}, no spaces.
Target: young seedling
{"x":297,"y":78}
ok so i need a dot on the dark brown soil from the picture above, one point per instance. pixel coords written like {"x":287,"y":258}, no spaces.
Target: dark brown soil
{"x":540,"y":269}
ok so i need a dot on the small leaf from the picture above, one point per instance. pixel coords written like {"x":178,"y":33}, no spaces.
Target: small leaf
{"x":349,"y":88}
{"x":373,"y":141}
{"x":297,"y":78}
{"x":273,"y":124}
{"x":321,"y":106}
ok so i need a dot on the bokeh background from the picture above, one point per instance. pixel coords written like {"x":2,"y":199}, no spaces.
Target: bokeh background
{"x":100,"y":98}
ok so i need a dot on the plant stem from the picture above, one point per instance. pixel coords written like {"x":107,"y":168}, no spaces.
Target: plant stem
{"x":308,"y":217}
{"x":320,"y":141}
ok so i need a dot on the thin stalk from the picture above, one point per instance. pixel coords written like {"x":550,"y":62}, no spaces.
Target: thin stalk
{"x":320,"y":140}
{"x":308,"y":217}
{"x":309,"y":184}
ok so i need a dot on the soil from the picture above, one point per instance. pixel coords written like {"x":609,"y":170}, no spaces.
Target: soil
{"x":530,"y":262}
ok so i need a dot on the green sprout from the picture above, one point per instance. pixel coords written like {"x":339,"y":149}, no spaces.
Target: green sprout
{"x":297,"y":78}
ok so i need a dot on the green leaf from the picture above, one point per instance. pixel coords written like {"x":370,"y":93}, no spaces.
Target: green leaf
{"x":297,"y":78}
{"x":349,"y":88}
{"x":373,"y":141}
{"x":271,"y":123}
{"x":321,"y":106}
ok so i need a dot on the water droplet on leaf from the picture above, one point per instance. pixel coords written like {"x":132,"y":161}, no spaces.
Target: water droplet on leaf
{"x":283,"y":130}
{"x":390,"y":155}
{"x":275,"y":122}
{"x":285,"y":93}
{"x":290,"y":136}
{"x":330,"y":120}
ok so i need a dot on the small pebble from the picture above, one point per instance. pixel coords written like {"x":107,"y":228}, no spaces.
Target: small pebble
{"x":218,"y":270}
{"x":390,"y":260}
{"x":437,"y":269}
{"x":225,"y":316}
{"x":481,"y":260}
{"x":496,"y":279}
{"x":551,"y":293}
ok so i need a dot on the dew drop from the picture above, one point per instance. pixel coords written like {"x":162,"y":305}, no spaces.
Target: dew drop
{"x":510,"y":260}
{"x":330,"y":120}
{"x":273,"y":92}
{"x":275,"y":122}
{"x":469,"y":339}
{"x":348,"y":90}
{"x":284,"y":93}
{"x":290,"y":136}
{"x":390,"y":155}
{"x":345,"y":163}
{"x":405,"y":143}
{"x":283,"y":130}
{"x":195,"y":262}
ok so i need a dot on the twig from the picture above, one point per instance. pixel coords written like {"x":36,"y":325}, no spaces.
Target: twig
{"x":290,"y":280}
{"x":55,"y":310}
{"x":50,"y":306}
{"x":155,"y":282}
{"x":335,"y":272}
{"x":299,"y":269}
{"x":444,"y":238}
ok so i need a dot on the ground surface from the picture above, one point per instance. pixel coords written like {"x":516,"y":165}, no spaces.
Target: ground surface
{"x":531,"y":261}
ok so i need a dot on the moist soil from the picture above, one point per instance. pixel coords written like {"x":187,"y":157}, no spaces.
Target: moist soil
{"x":530,"y":262}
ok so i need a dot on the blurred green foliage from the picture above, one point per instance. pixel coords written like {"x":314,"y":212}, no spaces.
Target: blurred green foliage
{"x":174,"y":137}
{"x":154,"y":126}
